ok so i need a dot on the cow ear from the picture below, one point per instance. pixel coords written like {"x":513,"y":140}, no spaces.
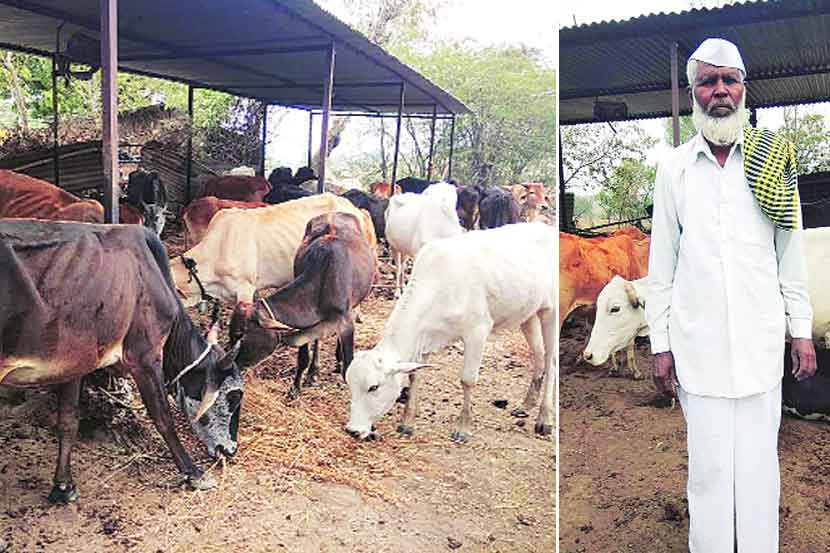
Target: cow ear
{"x":632,"y":295}
{"x":406,"y":368}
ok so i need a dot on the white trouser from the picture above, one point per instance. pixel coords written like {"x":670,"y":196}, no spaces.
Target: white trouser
{"x":734,"y":484}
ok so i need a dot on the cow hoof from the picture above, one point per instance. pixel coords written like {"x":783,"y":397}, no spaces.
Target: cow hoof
{"x":201,"y":482}
{"x":405,"y":430}
{"x":461,"y":437}
{"x":63,"y":493}
{"x":543,"y":429}
{"x":519,"y":413}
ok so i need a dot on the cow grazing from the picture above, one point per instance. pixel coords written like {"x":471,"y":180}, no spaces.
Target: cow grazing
{"x":620,"y":318}
{"x":239,"y":188}
{"x":375,"y":205}
{"x":412,"y":220}
{"x":198,"y":214}
{"x":444,"y":193}
{"x":246,"y":251}
{"x":468,"y":199}
{"x":146,"y":192}
{"x":465,"y":288}
{"x":383,"y":189}
{"x":497,"y":208}
{"x":22,"y":196}
{"x":75,"y":298}
{"x":333,"y":272}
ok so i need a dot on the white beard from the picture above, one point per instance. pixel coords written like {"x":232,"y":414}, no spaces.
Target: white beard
{"x":721,"y":131}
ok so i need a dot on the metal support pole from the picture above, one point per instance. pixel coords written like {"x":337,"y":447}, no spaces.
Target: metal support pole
{"x":397,"y":137}
{"x":753,"y":117}
{"x":561,"y":214}
{"x":310,"y":127}
{"x":109,"y":93}
{"x":431,"y":141}
{"x":55,"y":121}
{"x":328,"y":85}
{"x":675,"y":96}
{"x":188,"y":164}
{"x":452,"y":147}
{"x":264,"y":139}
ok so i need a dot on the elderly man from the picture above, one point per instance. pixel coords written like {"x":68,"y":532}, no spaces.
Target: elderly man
{"x":727,"y":277}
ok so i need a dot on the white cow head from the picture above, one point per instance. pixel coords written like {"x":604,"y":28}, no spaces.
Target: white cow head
{"x":375,"y":381}
{"x":620,"y":318}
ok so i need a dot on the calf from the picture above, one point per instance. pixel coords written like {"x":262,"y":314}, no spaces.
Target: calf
{"x":199,"y":213}
{"x":465,"y":288}
{"x":239,"y":188}
{"x":78,"y":297}
{"x":620,"y":318}
{"x":531,"y":198}
{"x":497,"y":208}
{"x":413,"y":220}
{"x":147,"y":194}
{"x":333,"y":272}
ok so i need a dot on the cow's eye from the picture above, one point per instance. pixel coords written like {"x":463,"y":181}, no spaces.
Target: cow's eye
{"x":615,"y":309}
{"x":373,"y":388}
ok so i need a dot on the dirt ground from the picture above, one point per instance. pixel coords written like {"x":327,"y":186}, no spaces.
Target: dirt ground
{"x":298,"y":482}
{"x":624,"y":460}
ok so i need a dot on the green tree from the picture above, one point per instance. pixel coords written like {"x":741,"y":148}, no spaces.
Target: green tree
{"x":628,"y":190}
{"x":809,"y":134}
{"x":687,"y":130}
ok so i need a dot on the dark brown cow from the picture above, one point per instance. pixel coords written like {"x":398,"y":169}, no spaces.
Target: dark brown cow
{"x":128,"y":215}
{"x":78,"y":297}
{"x":24,"y":196}
{"x":198,"y":214}
{"x":333,"y":269}
{"x":238,"y":187}
{"x":497,"y":208}
{"x":375,"y":205}
{"x":468,"y":200}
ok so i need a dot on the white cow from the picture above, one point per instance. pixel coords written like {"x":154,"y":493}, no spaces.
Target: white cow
{"x":621,"y":316}
{"x":621,"y":313}
{"x":413,"y":220}
{"x":444,"y":193}
{"x":464,"y":287}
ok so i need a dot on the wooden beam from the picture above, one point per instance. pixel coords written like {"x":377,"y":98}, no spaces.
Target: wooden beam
{"x":452,"y":147}
{"x":675,"y":96}
{"x":188,"y":165}
{"x":109,"y":93}
{"x":431,"y":141}
{"x":324,"y":127}
{"x":397,"y":137}
{"x":264,"y":139}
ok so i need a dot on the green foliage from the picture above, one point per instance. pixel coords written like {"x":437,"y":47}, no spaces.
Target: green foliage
{"x":811,"y":138}
{"x":510,"y":135}
{"x":628,"y":190}
{"x":687,"y":130}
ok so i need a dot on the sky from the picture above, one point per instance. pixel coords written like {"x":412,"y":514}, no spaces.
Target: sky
{"x":487,"y":22}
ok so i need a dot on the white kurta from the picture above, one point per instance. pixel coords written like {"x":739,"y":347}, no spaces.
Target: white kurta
{"x":722,"y":278}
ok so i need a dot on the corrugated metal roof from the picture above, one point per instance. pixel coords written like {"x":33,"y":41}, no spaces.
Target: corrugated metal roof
{"x":271,"y":50}
{"x":784,"y":44}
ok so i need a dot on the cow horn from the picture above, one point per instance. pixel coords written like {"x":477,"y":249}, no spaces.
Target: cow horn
{"x":632,"y":295}
{"x":208,"y":399}
{"x":404,"y":367}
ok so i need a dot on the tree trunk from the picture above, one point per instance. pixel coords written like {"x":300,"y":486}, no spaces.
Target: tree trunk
{"x":17,"y":91}
{"x":335,"y":130}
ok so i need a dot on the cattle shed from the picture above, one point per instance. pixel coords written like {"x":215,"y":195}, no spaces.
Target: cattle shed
{"x":635,"y":69}
{"x":290,"y":53}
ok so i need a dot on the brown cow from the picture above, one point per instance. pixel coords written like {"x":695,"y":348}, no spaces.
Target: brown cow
{"x":128,"y":215}
{"x":238,"y":187}
{"x":333,"y":272}
{"x":532,"y":199}
{"x":383,"y":189}
{"x":79,"y":297}
{"x":22,"y":196}
{"x":198,"y":214}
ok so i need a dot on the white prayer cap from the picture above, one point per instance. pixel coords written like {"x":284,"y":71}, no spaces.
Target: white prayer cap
{"x":720,"y":53}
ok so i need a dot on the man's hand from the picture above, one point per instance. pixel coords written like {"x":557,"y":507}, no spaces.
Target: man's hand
{"x":803,"y":355}
{"x":664,"y":376}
